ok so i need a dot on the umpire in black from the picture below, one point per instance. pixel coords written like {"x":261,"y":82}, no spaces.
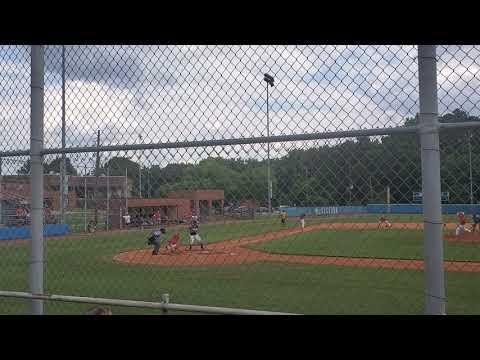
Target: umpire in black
{"x":155,"y":239}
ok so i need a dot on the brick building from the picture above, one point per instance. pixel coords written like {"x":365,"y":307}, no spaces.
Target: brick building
{"x":15,"y":191}
{"x":18,"y":187}
{"x":183,"y":204}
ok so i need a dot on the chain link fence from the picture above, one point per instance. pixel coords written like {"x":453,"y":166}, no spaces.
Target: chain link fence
{"x":293,"y":179}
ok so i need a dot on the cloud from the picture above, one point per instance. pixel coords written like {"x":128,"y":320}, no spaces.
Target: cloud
{"x":116,"y":66}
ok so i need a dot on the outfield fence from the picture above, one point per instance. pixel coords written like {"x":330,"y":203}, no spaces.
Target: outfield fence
{"x":101,"y":146}
{"x":380,"y":209}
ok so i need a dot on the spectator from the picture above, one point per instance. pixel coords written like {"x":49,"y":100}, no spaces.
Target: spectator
{"x":98,"y":310}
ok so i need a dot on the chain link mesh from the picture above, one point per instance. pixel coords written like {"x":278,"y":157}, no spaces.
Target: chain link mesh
{"x":345,"y":232}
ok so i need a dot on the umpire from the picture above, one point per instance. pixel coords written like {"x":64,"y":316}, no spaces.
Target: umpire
{"x":476,"y":221}
{"x":155,"y":239}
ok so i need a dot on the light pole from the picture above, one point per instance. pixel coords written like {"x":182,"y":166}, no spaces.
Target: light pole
{"x":269,"y":80}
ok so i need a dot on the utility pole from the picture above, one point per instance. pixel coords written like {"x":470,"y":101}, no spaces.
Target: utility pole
{"x":97,"y":174}
{"x":63,"y":162}
{"x":388,"y":199}
{"x":126,"y":191}
{"x":85,"y":202}
{"x":140,"y":170}
{"x":269,"y":80}
{"x":148,"y":183}
{"x":108,"y":198}
{"x":371,"y":189}
{"x":469,"y":135}
{"x":140,"y":180}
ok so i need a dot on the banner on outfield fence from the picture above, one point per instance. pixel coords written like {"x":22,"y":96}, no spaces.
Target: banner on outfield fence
{"x":418,"y":197}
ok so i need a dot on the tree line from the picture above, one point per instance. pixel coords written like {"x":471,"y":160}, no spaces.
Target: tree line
{"x":354,"y":171}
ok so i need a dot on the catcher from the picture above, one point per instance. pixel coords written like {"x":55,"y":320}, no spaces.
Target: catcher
{"x":172,"y":243}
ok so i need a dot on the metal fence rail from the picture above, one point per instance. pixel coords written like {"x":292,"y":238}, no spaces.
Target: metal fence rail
{"x":139,"y":304}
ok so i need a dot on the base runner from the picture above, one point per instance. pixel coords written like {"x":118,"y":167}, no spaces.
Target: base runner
{"x":302,"y":221}
{"x":461,"y":228}
{"x":384,"y":223}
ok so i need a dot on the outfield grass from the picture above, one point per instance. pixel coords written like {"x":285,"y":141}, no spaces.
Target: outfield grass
{"x":76,"y":219}
{"x":373,"y":218}
{"x":387,"y":244}
{"x":84,"y":267}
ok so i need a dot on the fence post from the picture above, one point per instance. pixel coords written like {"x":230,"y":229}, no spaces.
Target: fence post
{"x":35,"y":264}
{"x":1,"y":210}
{"x":165,"y":300}
{"x":63,"y":161}
{"x":430,"y":157}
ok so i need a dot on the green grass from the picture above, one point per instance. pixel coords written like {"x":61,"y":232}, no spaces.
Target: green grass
{"x":84,"y":267}
{"x":76,"y":219}
{"x":387,"y":244}
{"x":363,"y":218}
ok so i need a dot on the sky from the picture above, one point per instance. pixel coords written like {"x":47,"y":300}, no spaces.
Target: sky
{"x":149,"y":94}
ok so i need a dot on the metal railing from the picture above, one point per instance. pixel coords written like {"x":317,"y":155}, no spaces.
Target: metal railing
{"x":165,"y":306}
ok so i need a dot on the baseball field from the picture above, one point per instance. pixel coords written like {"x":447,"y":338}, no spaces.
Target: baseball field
{"x":338,"y":265}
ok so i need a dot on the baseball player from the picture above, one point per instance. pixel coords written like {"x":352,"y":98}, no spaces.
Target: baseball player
{"x":302,"y":221}
{"x":476,"y":221}
{"x":172,"y":244}
{"x":284,"y":217}
{"x":461,"y":229}
{"x":383,"y":222}
{"x":194,"y":233}
{"x":156,"y":240}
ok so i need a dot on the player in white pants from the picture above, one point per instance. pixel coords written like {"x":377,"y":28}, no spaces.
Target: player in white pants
{"x":461,"y":226}
{"x":194,"y":235}
{"x":302,"y":221}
